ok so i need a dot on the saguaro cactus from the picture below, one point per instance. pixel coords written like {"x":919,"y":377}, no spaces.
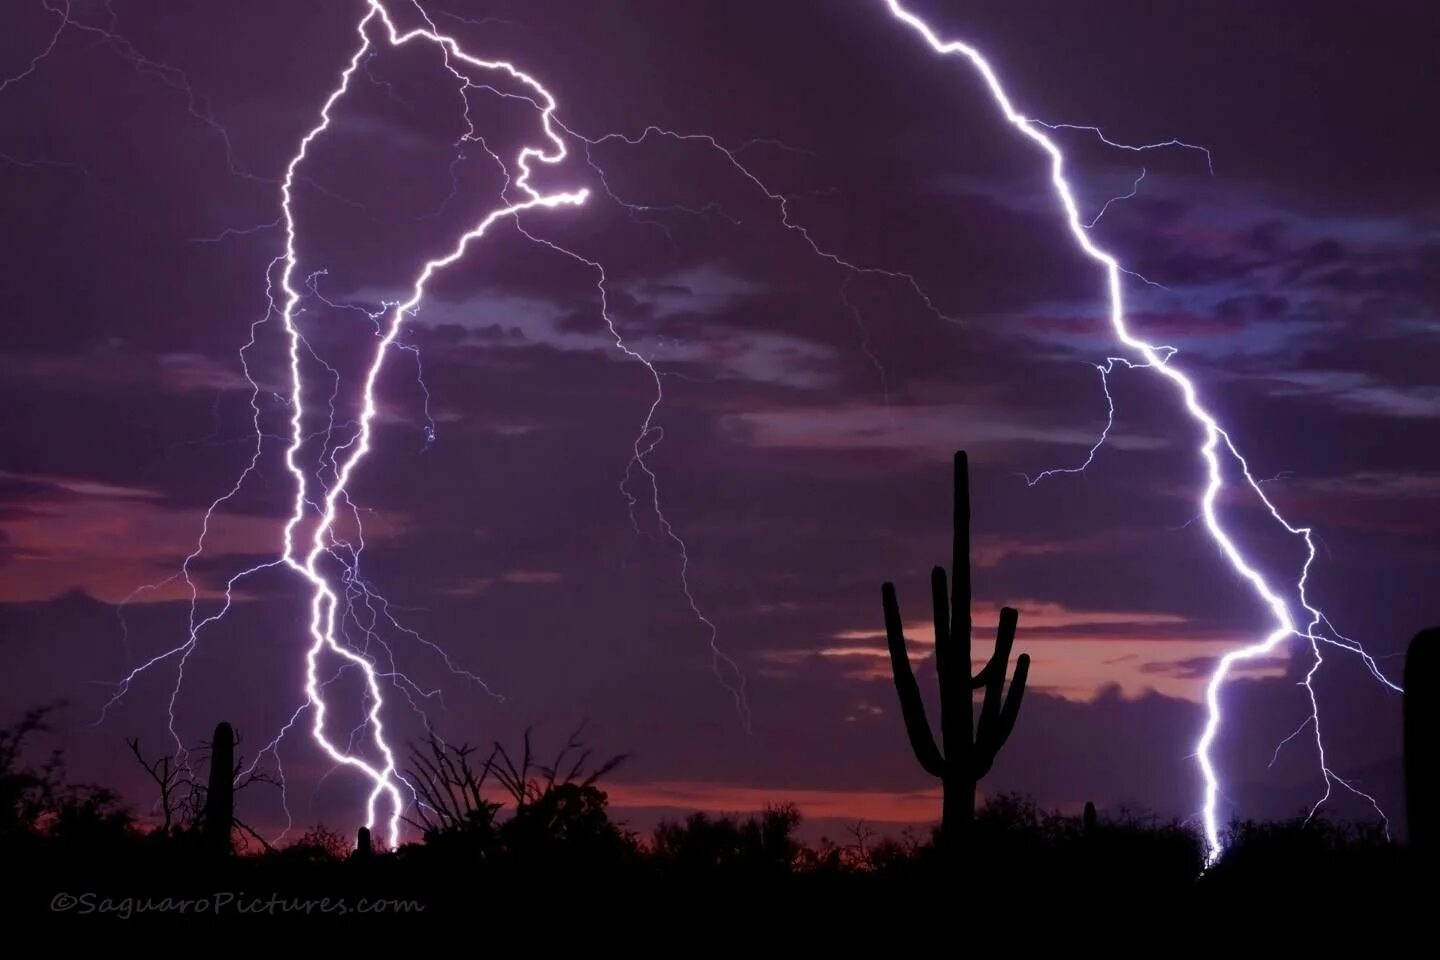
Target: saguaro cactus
{"x":969,"y":750}
{"x":220,"y":794}
{"x":363,"y":846}
{"x":1422,"y":717}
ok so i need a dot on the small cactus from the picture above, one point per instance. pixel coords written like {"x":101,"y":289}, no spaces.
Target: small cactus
{"x":969,"y":750}
{"x":1091,"y":821}
{"x":1421,"y":718}
{"x":220,"y":795}
{"x":363,"y":848}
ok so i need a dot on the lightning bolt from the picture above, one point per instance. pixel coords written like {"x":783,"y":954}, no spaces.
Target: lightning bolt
{"x":1105,"y":369}
{"x":1217,"y":444}
{"x":646,"y":439}
{"x":320,"y":504}
{"x":1134,"y":190}
{"x":310,"y":537}
{"x":307,"y":560}
{"x":173,"y":77}
{"x":63,"y":11}
{"x":650,"y":434}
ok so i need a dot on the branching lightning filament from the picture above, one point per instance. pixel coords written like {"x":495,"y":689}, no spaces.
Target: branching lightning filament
{"x":307,"y":559}
{"x":310,"y":535}
{"x":1216,"y":446}
{"x":313,"y":542}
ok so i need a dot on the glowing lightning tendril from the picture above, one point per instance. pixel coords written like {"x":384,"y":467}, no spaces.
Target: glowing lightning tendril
{"x":1157,"y":357}
{"x":307,"y":558}
{"x":325,"y":602}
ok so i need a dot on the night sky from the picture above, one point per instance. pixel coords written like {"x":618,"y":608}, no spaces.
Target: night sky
{"x":809,"y":412}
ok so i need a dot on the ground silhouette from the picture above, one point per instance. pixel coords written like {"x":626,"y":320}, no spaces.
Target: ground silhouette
{"x":536,"y":839}
{"x":501,"y":838}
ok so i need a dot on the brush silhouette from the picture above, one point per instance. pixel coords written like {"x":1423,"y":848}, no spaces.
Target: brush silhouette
{"x":969,"y":750}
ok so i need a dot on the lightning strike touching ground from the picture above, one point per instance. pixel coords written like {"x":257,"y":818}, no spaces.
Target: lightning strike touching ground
{"x":1278,"y":600}
{"x":349,"y":620}
{"x":325,"y":602}
{"x":317,"y":505}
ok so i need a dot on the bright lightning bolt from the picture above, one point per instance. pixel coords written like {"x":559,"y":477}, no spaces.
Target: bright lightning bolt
{"x":1211,"y":452}
{"x":318,"y":505}
{"x":325,"y":602}
{"x":306,"y":554}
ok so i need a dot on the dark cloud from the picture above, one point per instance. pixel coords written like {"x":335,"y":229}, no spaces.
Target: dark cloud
{"x":808,"y":413}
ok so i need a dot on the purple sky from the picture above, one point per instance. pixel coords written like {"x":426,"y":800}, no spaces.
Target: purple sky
{"x":809,"y":413}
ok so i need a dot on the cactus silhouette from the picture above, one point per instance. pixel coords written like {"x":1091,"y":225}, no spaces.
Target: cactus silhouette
{"x":363,"y":847}
{"x":969,"y":749}
{"x":1421,"y":718}
{"x":220,"y":794}
{"x":1091,"y":821}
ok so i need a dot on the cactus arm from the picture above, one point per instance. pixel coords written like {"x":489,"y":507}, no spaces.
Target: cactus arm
{"x":1011,"y":710}
{"x":1004,"y":640}
{"x":998,"y":730}
{"x":992,"y":677}
{"x":917,"y":727}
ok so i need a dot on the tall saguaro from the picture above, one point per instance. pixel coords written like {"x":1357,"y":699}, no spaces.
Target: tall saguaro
{"x":969,"y":748}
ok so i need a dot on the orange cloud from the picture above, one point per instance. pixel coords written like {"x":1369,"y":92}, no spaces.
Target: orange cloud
{"x":109,"y":541}
{"x":921,"y":806}
{"x":1076,"y":657}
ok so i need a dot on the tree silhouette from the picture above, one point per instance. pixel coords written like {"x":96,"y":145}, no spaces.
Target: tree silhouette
{"x":38,"y":804}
